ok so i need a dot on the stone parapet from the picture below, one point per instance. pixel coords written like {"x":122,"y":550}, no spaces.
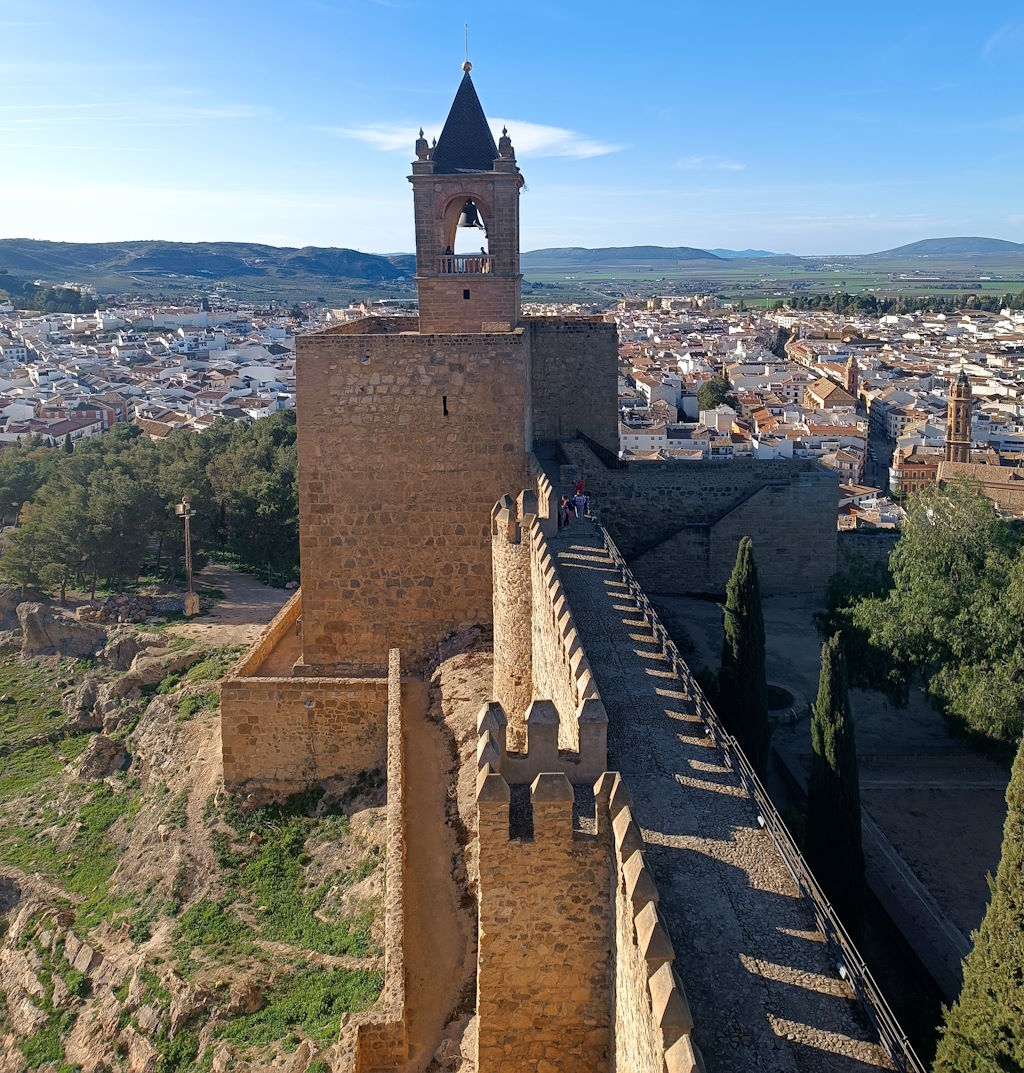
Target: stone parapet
{"x":652,"y":1024}
{"x":282,"y":624}
{"x":561,"y":670}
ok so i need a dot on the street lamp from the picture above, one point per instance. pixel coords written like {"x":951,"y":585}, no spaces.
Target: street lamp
{"x":184,"y":511}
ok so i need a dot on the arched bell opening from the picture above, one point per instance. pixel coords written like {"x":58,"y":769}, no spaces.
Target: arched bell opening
{"x":466,"y":248}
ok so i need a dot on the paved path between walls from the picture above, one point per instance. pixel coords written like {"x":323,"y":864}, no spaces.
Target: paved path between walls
{"x":763,"y":991}
{"x":435,"y":938}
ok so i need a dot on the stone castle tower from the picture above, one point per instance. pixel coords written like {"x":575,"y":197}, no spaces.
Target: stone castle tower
{"x":411,"y":428}
{"x":958,"y":420}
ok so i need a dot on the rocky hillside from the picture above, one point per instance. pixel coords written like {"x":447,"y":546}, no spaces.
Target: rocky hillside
{"x":148,"y":921}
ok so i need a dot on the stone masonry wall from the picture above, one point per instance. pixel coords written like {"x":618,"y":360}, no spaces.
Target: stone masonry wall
{"x":513,"y":664}
{"x":574,"y":379}
{"x":652,"y":1022}
{"x":679,"y":523}
{"x":445,"y":307}
{"x":561,"y":671}
{"x":282,"y":734}
{"x":379,"y":1038}
{"x":395,"y":494}
{"x":545,"y":934}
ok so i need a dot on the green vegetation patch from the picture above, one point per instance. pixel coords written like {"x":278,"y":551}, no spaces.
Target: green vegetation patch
{"x":85,"y":866}
{"x":275,"y":878}
{"x":46,"y":1044}
{"x":195,"y":703}
{"x":214,"y":928}
{"x":311,"y":1001}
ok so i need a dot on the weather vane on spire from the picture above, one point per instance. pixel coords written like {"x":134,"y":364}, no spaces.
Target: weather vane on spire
{"x":467,"y":66}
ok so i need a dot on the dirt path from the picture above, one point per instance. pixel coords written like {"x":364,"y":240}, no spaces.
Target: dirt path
{"x":435,"y":930}
{"x":248,"y":605}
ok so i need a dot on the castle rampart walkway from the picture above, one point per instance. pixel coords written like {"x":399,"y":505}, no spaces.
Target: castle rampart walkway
{"x":761,"y":985}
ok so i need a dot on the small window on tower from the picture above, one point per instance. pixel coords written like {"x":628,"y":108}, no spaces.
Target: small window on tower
{"x":465,"y":293}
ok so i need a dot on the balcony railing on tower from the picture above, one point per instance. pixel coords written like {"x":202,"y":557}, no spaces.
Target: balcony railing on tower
{"x":475,"y":264}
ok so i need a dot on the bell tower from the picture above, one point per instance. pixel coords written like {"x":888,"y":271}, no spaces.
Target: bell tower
{"x":464,"y":183}
{"x":958,"y":420}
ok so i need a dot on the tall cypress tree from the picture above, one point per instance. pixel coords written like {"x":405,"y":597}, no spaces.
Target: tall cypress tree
{"x":984,"y":1030}
{"x":743,"y":687}
{"x":833,"y":841}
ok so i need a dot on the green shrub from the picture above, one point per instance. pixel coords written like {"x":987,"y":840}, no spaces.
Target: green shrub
{"x":312,"y":1001}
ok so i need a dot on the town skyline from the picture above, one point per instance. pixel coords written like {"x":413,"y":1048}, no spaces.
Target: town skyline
{"x":241,"y":126}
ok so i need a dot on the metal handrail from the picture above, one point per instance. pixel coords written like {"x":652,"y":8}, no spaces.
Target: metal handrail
{"x":849,"y":963}
{"x":610,"y":459}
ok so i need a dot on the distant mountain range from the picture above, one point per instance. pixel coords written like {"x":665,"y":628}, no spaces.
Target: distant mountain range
{"x":126,"y":266}
{"x":955,"y":247}
{"x":59,"y":261}
{"x":625,"y":256}
{"x":733,"y":255}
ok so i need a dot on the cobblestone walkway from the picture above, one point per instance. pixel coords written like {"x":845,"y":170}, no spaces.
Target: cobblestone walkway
{"x":761,"y":986}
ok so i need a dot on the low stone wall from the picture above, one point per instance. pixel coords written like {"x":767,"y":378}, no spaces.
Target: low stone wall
{"x":652,"y":1022}
{"x":280,"y":735}
{"x":379,"y":1038}
{"x":866,"y":547}
{"x":260,"y":650}
{"x":545,"y":923}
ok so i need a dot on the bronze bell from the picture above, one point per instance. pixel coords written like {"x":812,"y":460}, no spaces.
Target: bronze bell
{"x":470,"y":217}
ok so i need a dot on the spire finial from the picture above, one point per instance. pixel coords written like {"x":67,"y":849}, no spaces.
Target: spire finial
{"x":467,"y":66}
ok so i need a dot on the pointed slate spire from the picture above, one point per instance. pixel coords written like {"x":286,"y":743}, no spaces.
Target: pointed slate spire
{"x":466,"y":142}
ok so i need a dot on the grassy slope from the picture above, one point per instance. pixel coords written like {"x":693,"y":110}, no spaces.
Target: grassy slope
{"x":157,"y":868}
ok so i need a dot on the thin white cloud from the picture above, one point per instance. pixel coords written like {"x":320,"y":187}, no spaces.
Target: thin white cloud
{"x":537,"y":139}
{"x":529,"y":139}
{"x":709,"y":163}
{"x":1008,"y":38}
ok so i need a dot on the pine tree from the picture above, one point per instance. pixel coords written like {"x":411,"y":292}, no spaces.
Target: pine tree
{"x":68,"y":445}
{"x":984,"y":1030}
{"x":833,"y":840}
{"x":743,"y":688}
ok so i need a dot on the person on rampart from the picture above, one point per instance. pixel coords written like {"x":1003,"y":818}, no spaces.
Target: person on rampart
{"x":564,"y":513}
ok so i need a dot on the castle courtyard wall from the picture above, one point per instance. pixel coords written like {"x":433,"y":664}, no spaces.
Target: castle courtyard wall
{"x":574,"y":378}
{"x":405,"y":442}
{"x":678,"y":523}
{"x":282,"y":734}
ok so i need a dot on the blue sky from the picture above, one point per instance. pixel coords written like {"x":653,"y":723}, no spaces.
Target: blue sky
{"x":800,"y":127}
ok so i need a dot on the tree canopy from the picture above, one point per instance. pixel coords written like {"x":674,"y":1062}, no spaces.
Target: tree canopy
{"x":742,"y":685}
{"x":955,"y":612}
{"x":984,"y":1030}
{"x":104,"y":513}
{"x":833,"y":840}
{"x":715,"y":392}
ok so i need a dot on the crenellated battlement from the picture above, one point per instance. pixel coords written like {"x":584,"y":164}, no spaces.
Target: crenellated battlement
{"x":625,"y":1007}
{"x":541,"y":753}
{"x":537,"y":649}
{"x":653,"y":1023}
